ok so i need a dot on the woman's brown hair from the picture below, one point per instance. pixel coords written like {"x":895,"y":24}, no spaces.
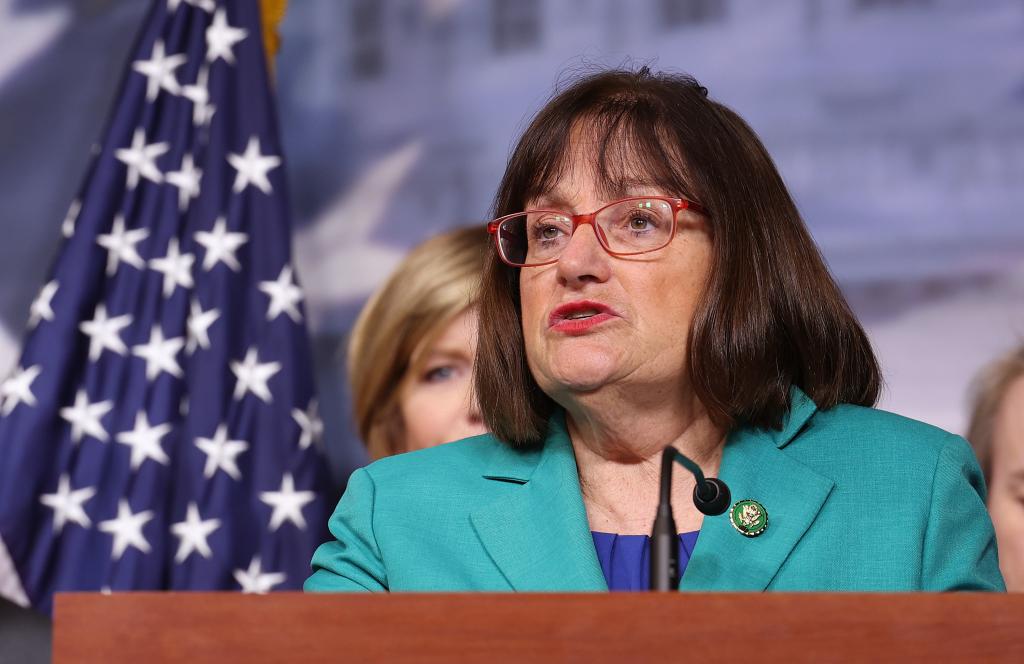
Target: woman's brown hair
{"x":436,"y":282}
{"x":771,"y":316}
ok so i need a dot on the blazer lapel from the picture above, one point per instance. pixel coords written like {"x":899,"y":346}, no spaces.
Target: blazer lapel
{"x":538,"y":534}
{"x":755,"y":466}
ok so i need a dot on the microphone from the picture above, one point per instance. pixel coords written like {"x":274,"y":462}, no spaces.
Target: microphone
{"x":710,"y":495}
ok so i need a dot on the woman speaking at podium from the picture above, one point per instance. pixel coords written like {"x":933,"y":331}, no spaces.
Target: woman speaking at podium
{"x":653,"y":285}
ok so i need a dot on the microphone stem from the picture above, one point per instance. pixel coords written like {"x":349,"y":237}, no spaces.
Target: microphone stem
{"x":664,"y":540}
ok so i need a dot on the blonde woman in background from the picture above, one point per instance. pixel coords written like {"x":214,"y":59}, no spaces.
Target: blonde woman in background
{"x":997,"y":435}
{"x":410,"y":358}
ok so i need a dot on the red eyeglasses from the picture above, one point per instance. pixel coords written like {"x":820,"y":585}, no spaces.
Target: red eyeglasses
{"x":630,"y":226}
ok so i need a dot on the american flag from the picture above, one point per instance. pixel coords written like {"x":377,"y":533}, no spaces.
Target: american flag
{"x":161,"y":430}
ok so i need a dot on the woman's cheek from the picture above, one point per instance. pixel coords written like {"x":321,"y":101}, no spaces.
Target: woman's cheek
{"x":428,"y":410}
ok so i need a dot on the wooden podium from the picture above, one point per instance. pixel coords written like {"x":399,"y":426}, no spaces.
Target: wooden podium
{"x":534,"y":628}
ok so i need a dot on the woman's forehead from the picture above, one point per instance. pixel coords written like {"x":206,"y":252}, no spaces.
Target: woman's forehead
{"x":613,"y":161}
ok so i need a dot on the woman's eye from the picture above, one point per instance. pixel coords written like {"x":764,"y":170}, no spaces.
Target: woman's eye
{"x":439,"y":374}
{"x":639,"y":224}
{"x":549,"y":233}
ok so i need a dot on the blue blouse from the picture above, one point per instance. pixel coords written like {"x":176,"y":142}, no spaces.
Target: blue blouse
{"x":625,"y":559}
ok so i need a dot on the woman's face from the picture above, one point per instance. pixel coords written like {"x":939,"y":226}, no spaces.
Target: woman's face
{"x":645,"y":303}
{"x":436,"y":400}
{"x":1006,"y":495}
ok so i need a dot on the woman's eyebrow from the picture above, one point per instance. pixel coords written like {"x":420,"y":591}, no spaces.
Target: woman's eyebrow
{"x":621,"y":189}
{"x":550,"y":199}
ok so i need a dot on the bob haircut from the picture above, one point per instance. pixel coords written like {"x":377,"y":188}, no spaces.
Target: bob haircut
{"x":437,"y":281}
{"x":770,"y":316}
{"x":987,"y":396}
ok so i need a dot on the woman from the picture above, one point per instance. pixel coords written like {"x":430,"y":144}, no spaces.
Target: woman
{"x":997,"y":434}
{"x":410,"y":357}
{"x":662,"y":290}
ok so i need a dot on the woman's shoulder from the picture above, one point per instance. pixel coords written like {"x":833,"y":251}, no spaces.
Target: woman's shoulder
{"x":416,"y":489}
{"x":853,"y":434}
{"x":875,"y":422}
{"x":448,"y":463}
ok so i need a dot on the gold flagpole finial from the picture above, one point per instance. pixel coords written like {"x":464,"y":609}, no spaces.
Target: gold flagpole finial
{"x":271,"y":14}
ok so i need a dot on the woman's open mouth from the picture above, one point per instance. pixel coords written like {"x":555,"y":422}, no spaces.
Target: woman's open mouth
{"x":574,"y":318}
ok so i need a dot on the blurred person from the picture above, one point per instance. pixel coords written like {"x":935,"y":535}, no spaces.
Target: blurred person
{"x":652,"y":286}
{"x":410,"y":357}
{"x":997,"y":433}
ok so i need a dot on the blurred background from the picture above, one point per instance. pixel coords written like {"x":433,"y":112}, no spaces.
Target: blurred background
{"x":897,"y":124}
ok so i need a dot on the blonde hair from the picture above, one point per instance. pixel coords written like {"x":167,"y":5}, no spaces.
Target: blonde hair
{"x":437,"y":281}
{"x":987,"y":395}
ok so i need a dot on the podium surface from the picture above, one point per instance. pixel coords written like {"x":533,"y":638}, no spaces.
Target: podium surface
{"x":613,"y":627}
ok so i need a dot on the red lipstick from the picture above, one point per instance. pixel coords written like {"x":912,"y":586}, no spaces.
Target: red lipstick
{"x":579,"y":317}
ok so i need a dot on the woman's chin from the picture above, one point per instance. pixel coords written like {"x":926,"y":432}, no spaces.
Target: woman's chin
{"x":581,"y":379}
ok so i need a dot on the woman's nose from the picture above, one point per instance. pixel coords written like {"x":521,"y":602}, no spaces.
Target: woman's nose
{"x":584,"y":259}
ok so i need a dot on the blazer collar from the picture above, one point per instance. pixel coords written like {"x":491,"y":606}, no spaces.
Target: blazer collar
{"x":754,"y":465}
{"x":801,"y":408}
{"x":539,"y":537}
{"x":538,"y":534}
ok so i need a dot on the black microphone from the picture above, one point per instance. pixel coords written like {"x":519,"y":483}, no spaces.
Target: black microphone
{"x":710,"y":495}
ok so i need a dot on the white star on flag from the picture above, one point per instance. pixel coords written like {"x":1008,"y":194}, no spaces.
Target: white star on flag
{"x":17,"y":389}
{"x":199,"y":94}
{"x":198,"y":324}
{"x":221,"y":245}
{"x":104,"y":333}
{"x":221,"y":453}
{"x":120,"y":245}
{"x":42,"y":306}
{"x":284,"y":295}
{"x":175,"y":266}
{"x":145,"y":441}
{"x":310,"y":423}
{"x":67,"y":228}
{"x":159,"y":71}
{"x":252,"y":167}
{"x":127,"y":529}
{"x":192,"y":534}
{"x":287,"y":503}
{"x":141,"y":159}
{"x":186,"y":180}
{"x":221,"y":37}
{"x":68,"y":504}
{"x":254,"y":580}
{"x":253,"y":376}
{"x":84,"y":417}
{"x":160,"y":354}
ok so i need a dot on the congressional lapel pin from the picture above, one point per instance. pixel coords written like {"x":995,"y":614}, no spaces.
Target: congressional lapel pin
{"x":749,"y":517}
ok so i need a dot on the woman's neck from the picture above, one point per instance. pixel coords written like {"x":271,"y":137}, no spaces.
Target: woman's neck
{"x":618,"y":456}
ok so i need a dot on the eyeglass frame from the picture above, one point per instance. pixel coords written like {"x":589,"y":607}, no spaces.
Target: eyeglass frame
{"x":678,"y":205}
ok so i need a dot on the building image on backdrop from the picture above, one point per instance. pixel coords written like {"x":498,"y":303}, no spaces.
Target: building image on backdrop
{"x":897,"y":124}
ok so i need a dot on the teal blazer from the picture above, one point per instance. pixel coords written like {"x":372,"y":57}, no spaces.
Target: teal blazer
{"x":857,"y":499}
